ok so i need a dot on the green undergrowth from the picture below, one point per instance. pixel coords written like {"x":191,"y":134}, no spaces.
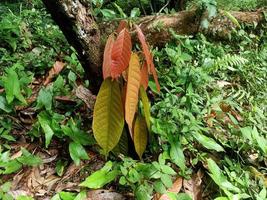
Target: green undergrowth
{"x":209,"y":118}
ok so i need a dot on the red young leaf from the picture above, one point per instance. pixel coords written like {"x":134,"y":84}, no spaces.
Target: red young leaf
{"x":123,"y":24}
{"x":148,"y":55}
{"x":107,"y":57}
{"x":121,"y":53}
{"x":144,"y":76}
{"x":145,"y":48}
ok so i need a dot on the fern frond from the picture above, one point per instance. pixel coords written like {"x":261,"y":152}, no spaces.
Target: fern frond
{"x":228,"y":62}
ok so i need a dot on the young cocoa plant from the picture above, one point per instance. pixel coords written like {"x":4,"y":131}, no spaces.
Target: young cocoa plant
{"x":126,"y":74}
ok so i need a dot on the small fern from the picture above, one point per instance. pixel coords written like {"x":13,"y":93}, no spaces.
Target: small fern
{"x":227,"y":62}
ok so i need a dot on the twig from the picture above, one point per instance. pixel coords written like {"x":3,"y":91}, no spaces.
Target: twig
{"x":164,"y":7}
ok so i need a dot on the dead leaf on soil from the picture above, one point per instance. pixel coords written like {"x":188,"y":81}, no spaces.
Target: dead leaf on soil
{"x":193,"y":186}
{"x":56,"y":69}
{"x":65,"y":99}
{"x":86,"y":96}
{"x":176,"y":187}
{"x":222,"y":83}
{"x":104,"y":195}
{"x":16,"y":193}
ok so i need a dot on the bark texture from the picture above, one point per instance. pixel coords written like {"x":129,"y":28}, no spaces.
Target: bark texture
{"x":157,"y":28}
{"x":76,"y":21}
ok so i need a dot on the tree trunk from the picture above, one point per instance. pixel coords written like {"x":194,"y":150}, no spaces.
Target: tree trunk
{"x":75,"y":19}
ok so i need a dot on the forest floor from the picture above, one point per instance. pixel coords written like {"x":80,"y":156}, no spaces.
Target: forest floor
{"x":211,"y":114}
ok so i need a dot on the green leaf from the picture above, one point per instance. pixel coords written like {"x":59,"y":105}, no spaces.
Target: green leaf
{"x":23,"y":197}
{"x":247,"y":133}
{"x":133,"y":176}
{"x":183,"y":196}
{"x":205,"y":24}
{"x":77,"y":152}
{"x":153,"y":87}
{"x":261,"y":141}
{"x":146,"y":106}
{"x":6,"y":135}
{"x":58,"y":84}
{"x":207,"y":142}
{"x":56,"y":197}
{"x":67,"y":195}
{"x":122,"y":14}
{"x":107,"y":13}
{"x":72,"y":78}
{"x":159,"y":187}
{"x":101,"y":177}
{"x":221,"y":198}
{"x":12,"y":86}
{"x":122,"y":180}
{"x":28,"y":159}
{"x":142,"y":193}
{"x":140,"y":135}
{"x":108,"y":119}
{"x":167,"y":170}
{"x":4,"y":106}
{"x":45,"y":98}
{"x":6,"y":187}
{"x":212,"y":10}
{"x":98,"y":3}
{"x":10,"y":166}
{"x":166,"y":180}
{"x":81,"y":196}
{"x":135,"y":12}
{"x":122,"y":147}
{"x":76,"y":134}
{"x":177,"y":155}
{"x":232,"y":18}
{"x":219,"y":178}
{"x":262,"y":194}
{"x":45,"y":124}
{"x":60,"y":165}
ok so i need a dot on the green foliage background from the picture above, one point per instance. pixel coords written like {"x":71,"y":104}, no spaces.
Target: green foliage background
{"x":199,"y":77}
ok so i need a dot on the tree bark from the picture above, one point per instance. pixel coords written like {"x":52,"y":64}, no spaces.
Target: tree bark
{"x":157,"y":28}
{"x":75,"y":19}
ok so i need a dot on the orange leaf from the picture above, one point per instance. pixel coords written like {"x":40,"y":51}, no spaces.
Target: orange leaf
{"x":107,"y":57}
{"x":148,"y":56}
{"x":133,"y":84}
{"x":57,"y":68}
{"x":144,"y":76}
{"x":121,"y":53}
{"x":145,"y":47}
{"x":123,"y":24}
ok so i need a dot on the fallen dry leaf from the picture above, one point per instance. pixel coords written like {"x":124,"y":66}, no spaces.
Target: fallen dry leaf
{"x":222,"y":83}
{"x":65,"y":99}
{"x":176,"y":187}
{"x":86,"y":96}
{"x":104,"y":195}
{"x":56,"y":69}
{"x":236,"y":115}
{"x":16,"y":193}
{"x":193,"y":186}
